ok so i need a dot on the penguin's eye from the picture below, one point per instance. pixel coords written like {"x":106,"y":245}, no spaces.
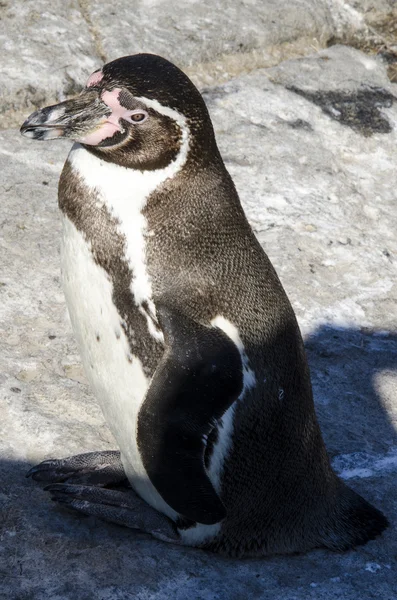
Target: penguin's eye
{"x":137,"y":117}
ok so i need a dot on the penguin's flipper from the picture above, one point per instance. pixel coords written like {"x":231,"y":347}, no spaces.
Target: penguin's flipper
{"x":198,"y":378}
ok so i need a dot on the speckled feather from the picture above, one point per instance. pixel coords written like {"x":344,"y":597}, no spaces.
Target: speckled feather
{"x":202,"y":258}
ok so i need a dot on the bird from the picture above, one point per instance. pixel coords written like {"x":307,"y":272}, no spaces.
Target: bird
{"x":187,"y":337}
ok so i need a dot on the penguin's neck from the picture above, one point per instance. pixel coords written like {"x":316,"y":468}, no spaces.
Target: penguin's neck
{"x":124,"y":191}
{"x":124,"y":194}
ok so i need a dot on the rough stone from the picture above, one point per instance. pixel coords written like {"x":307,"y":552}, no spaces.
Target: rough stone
{"x":49,"y":49}
{"x":213,"y":41}
{"x":338,"y":68}
{"x":321,"y":199}
{"x":348,"y":85}
{"x":374,"y":30}
{"x":375,"y":12}
{"x":47,"y":52}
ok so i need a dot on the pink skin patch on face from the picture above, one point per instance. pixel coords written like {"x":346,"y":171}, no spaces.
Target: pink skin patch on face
{"x":110,"y":124}
{"x":94,"y":79}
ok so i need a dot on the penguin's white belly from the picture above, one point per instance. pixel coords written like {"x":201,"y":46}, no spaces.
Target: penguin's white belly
{"x":116,"y":376}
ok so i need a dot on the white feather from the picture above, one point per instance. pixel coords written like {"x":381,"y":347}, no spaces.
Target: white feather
{"x":116,"y":376}
{"x":199,"y":534}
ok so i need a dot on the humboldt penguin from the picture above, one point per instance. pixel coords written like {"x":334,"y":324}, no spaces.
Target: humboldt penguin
{"x":187,"y":337}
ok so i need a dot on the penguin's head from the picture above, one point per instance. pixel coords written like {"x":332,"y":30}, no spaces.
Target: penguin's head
{"x":138,"y":111}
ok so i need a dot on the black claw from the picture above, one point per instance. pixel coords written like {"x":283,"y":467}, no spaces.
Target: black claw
{"x":43,"y":467}
{"x":54,"y":487}
{"x":59,"y":492}
{"x":63,"y":489}
{"x":31,"y":471}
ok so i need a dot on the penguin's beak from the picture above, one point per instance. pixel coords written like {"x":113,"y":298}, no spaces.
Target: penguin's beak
{"x":76,"y":119}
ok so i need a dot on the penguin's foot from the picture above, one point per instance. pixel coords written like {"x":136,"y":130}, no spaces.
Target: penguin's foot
{"x":124,"y":508}
{"x":93,"y":468}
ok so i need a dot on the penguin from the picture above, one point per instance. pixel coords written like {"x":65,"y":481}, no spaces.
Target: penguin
{"x":188,"y":339}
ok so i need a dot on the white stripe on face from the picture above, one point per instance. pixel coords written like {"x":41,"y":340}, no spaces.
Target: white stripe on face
{"x":125,"y":191}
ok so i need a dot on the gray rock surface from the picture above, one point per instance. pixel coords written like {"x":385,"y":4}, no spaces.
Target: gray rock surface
{"x":373,"y":11}
{"x":338,"y":68}
{"x":212,"y":40}
{"x":319,"y":192}
{"x":49,"y":47}
{"x":47,"y":51}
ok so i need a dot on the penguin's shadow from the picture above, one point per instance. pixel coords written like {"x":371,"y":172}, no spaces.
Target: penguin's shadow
{"x":351,"y":372}
{"x":349,"y":369}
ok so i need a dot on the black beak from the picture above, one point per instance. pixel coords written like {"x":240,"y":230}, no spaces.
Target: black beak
{"x":72,"y":119}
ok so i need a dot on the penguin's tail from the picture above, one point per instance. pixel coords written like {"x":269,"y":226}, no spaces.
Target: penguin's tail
{"x":352,"y":522}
